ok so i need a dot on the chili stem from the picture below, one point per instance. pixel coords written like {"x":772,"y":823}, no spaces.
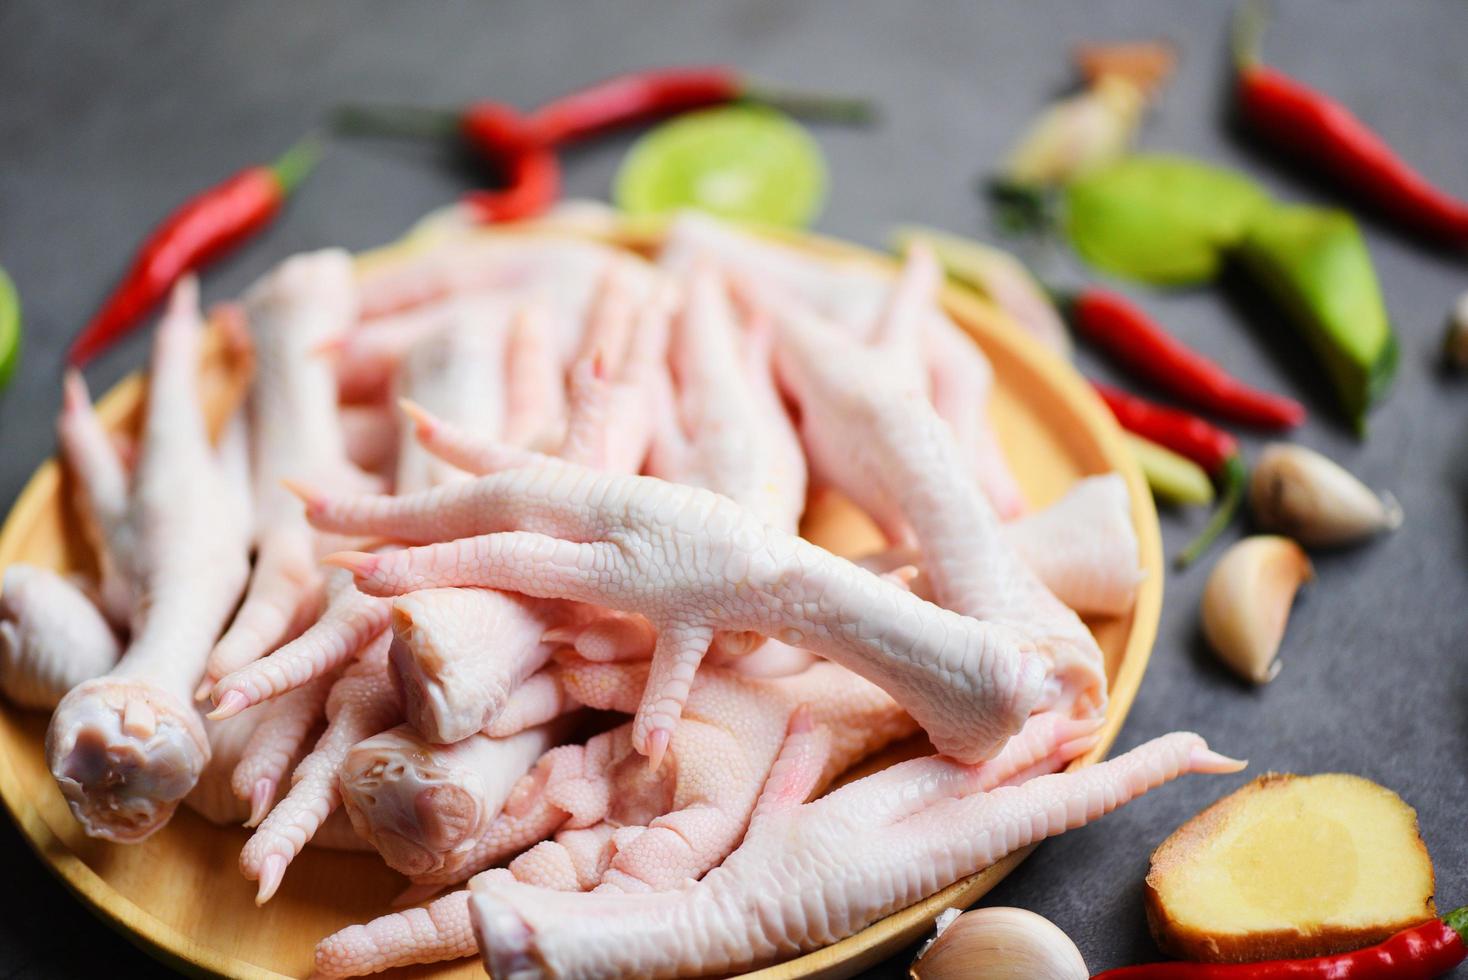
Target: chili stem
{"x":819,"y":107}
{"x":10,"y":329}
{"x":1020,"y":207}
{"x":296,"y":163}
{"x":405,"y":121}
{"x":1233,"y":477}
{"x":1246,"y":34}
{"x":1457,"y":920}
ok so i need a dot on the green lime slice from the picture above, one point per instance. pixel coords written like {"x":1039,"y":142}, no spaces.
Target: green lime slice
{"x":743,"y":162}
{"x":9,"y":329}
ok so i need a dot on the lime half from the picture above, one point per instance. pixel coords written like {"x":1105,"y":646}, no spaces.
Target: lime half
{"x":9,"y":329}
{"x":742,"y":162}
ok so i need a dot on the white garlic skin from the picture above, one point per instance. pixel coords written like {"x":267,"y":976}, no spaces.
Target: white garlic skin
{"x":1298,"y":492}
{"x":1000,"y":944}
{"x":1246,"y":603}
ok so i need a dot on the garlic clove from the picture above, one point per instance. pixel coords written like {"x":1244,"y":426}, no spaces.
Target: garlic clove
{"x":1247,"y":600}
{"x":998,"y":944}
{"x":1298,"y":492}
{"x":1455,"y":341}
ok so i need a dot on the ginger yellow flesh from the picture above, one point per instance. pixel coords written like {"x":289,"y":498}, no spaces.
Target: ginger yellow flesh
{"x":1290,"y":865}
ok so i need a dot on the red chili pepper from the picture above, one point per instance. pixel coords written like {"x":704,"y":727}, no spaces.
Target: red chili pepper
{"x":531,"y":174}
{"x":1419,"y":953}
{"x":640,"y":97}
{"x":1327,"y":135}
{"x":533,"y":182}
{"x":1134,"y":341}
{"x":498,"y":133}
{"x":1187,"y":435}
{"x":523,"y":147}
{"x":200,"y":230}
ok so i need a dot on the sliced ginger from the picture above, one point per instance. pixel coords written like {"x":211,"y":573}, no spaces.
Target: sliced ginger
{"x":1290,"y":866}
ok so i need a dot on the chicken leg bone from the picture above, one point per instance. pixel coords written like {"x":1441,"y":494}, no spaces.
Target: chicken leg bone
{"x":463,"y":651}
{"x":414,"y":800}
{"x":724,"y":427}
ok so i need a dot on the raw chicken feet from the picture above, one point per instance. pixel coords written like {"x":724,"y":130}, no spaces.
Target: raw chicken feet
{"x":296,"y":432}
{"x":439,"y":931}
{"x":871,"y":432}
{"x":125,"y":748}
{"x":362,"y":703}
{"x":898,"y":835}
{"x":693,"y":562}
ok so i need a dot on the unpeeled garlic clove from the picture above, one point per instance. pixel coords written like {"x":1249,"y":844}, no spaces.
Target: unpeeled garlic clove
{"x":1299,"y":492}
{"x":1247,"y":600}
{"x":998,"y":944}
{"x":1455,"y":341}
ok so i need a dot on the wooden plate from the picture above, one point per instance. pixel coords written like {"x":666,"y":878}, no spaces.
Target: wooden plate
{"x":179,"y":894}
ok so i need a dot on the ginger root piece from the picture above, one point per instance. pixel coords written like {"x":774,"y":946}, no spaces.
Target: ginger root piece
{"x":1290,"y":866}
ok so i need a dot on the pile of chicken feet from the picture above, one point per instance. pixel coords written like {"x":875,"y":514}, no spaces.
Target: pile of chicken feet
{"x":497,"y":572}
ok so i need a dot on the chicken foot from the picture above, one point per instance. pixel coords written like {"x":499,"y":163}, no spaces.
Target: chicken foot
{"x":126,"y":747}
{"x":900,"y":835}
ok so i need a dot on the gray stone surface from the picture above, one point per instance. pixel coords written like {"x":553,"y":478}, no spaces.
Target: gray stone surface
{"x":109,"y":113}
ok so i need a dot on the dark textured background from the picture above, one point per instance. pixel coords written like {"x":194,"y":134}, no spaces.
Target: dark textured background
{"x":110,"y":113}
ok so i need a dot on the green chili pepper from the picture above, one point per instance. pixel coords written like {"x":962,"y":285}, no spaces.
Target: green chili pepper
{"x":1160,"y":219}
{"x":9,"y":329}
{"x":1314,"y":264}
{"x":1173,"y":479}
